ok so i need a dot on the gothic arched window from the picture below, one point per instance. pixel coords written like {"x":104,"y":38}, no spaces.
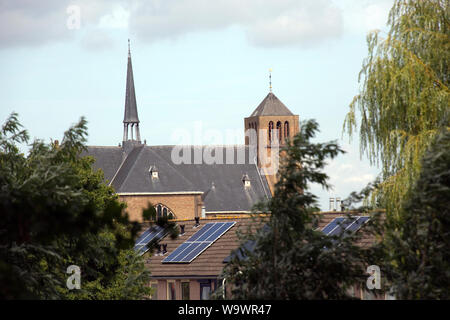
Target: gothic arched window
{"x":163,"y":211}
{"x":279,"y":131}
{"x":270,"y":131}
{"x":286,"y":130}
{"x":158,"y":211}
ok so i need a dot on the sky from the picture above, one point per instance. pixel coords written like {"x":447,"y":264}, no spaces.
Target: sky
{"x":195,"y":62}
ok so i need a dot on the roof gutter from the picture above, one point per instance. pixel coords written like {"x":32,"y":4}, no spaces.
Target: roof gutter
{"x":158,"y":193}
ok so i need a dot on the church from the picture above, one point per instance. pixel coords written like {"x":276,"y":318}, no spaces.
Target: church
{"x":143,"y":174}
{"x":208,"y":200}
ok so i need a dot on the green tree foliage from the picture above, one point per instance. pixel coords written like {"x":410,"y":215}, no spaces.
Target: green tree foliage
{"x":417,"y":249}
{"x":55,"y":212}
{"x":290,"y":259}
{"x":404,"y":97}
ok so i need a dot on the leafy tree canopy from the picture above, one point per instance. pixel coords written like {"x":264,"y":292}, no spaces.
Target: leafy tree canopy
{"x":404,"y":96}
{"x":56,"y":211}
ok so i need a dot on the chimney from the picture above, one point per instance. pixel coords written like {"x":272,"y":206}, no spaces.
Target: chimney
{"x":181,"y":229}
{"x":203,"y":212}
{"x":197,"y":222}
{"x":331,"y":204}
{"x":164,"y":248}
{"x":338,"y":204}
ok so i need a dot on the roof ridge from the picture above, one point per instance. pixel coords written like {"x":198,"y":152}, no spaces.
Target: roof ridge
{"x":124,"y":166}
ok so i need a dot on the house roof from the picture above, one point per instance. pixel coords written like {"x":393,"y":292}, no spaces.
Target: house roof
{"x":207,"y":264}
{"x":228,"y":194}
{"x":211,"y":262}
{"x":271,"y":106}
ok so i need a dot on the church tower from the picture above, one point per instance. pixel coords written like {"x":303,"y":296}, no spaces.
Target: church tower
{"x":130,"y":119}
{"x":274,"y":123}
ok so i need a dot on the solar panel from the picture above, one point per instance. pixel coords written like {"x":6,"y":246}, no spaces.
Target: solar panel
{"x":199,"y":242}
{"x":340,"y":225}
{"x":332,"y":225}
{"x":357,"y":224}
{"x":153,"y":233}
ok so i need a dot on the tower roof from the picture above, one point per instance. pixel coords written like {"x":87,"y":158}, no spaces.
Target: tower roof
{"x":131,"y":114}
{"x":271,"y":106}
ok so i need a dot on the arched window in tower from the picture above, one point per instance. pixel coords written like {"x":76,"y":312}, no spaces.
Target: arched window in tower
{"x":270,"y":131}
{"x":286,"y":130}
{"x":279,"y":131}
{"x":165,"y":212}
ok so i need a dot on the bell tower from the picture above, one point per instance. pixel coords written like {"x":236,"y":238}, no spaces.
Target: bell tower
{"x":274,"y":124}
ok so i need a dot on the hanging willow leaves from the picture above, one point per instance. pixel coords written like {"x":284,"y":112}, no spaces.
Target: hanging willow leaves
{"x":404,"y":97}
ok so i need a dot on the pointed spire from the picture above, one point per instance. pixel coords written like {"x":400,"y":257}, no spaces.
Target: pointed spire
{"x":131,"y":115}
{"x":130,"y":118}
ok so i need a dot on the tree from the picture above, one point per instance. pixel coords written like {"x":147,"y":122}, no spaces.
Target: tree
{"x":289,"y":259}
{"x":56,"y":211}
{"x":404,"y":97}
{"x":418,"y":248}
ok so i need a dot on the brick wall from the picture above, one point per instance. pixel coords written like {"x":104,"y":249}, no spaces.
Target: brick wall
{"x":184,"y":206}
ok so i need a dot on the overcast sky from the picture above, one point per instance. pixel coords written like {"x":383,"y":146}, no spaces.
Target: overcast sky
{"x":193,"y":60}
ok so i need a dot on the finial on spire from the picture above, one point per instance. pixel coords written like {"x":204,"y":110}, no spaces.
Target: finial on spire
{"x":270,"y":79}
{"x":129,"y":52}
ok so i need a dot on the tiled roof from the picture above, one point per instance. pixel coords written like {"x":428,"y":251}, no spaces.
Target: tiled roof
{"x":211,"y":262}
{"x":271,"y":106}
{"x":207,"y":264}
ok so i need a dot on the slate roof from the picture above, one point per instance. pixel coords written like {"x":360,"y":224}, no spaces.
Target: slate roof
{"x":271,"y":106}
{"x":228,"y":194}
{"x":211,"y":261}
{"x":107,"y":158}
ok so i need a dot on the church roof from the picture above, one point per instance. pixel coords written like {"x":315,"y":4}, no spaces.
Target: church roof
{"x":228,"y":194}
{"x":131,"y":114}
{"x":271,"y":106}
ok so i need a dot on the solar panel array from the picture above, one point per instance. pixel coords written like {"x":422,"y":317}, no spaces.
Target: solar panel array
{"x":198,"y":242}
{"x":343,"y":224}
{"x":153,"y":233}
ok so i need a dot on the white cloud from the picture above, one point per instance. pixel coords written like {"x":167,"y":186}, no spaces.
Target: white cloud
{"x":363,"y":16}
{"x":29,"y":22}
{"x":266,"y":22}
{"x":117,"y":19}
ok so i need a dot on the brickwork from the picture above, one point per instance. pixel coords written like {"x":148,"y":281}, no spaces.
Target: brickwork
{"x":261,"y":124}
{"x":183,"y":206}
